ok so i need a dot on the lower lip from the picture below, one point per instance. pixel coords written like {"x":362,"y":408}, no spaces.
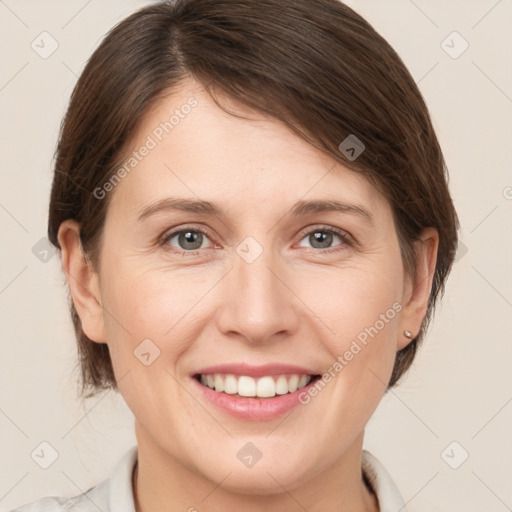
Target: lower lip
{"x":253,"y":408}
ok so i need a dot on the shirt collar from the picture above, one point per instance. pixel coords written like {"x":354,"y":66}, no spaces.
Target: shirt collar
{"x":388,"y":495}
{"x":120,"y":491}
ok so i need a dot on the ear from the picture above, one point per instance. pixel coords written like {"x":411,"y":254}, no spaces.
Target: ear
{"x":417,"y":289}
{"x":83,"y":281}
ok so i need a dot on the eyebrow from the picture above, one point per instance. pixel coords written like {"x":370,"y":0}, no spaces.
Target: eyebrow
{"x":300,"y":208}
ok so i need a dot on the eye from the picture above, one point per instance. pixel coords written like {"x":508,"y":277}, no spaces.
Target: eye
{"x":322,"y":237}
{"x":186,"y":240}
{"x":189,"y":240}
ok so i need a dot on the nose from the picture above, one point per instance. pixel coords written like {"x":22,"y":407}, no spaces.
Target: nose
{"x":259,"y":305}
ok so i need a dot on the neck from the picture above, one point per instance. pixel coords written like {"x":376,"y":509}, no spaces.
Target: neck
{"x":164,"y":484}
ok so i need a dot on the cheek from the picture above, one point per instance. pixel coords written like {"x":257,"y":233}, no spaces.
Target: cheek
{"x":156,"y":304}
{"x":351,"y":300}
{"x":357,"y":308}
{"x":148,"y":329}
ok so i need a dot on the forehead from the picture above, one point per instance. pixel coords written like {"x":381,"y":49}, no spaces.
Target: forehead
{"x":194,"y":149}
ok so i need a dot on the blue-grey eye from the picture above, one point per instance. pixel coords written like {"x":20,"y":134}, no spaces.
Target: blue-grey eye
{"x":187,"y":239}
{"x":322,"y":238}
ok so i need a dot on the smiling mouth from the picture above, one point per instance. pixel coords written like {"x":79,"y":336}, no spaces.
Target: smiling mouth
{"x":245,"y":386}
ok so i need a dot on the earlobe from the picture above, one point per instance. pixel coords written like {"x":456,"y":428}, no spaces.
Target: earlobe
{"x":83,"y":281}
{"x":417,"y":289}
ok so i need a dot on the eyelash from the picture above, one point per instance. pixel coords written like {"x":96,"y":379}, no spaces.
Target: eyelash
{"x":345,"y":239}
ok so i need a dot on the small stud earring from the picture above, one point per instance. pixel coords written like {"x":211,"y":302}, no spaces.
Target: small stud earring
{"x":408,"y":334}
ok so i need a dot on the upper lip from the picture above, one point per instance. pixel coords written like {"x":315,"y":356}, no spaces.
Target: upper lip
{"x":256,"y":371}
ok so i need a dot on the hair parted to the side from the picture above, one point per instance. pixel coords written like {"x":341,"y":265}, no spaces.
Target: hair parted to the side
{"x":317,"y":66}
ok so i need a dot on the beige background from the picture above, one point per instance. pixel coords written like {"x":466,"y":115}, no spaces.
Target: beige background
{"x":460,"y":388}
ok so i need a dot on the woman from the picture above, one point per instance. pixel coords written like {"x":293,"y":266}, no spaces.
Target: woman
{"x":252,"y":212}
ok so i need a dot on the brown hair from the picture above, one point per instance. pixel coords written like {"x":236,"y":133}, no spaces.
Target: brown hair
{"x":317,"y":66}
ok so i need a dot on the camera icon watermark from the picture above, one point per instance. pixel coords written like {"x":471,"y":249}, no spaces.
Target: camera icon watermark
{"x":249,"y":249}
{"x":44,"y":455}
{"x":454,"y":455}
{"x":146,"y":352}
{"x":44,"y":45}
{"x":454,"y":45}
{"x":43,"y":250}
{"x":461,"y":251}
{"x":351,"y":147}
{"x":249,"y":455}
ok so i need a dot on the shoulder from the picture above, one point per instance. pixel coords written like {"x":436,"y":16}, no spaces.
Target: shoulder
{"x":81,"y":503}
{"x":92,"y":500}
{"x":111,"y":495}
{"x":46,"y":504}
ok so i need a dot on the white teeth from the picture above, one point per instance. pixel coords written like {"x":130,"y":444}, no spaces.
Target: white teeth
{"x":293,"y":383}
{"x":263,"y":387}
{"x":303,"y":381}
{"x":281,"y":385}
{"x":230,"y":385}
{"x":219,"y":383}
{"x":246,"y":386}
{"x":266,"y":387}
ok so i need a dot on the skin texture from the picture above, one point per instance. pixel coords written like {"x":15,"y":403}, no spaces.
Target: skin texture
{"x":294,"y":304}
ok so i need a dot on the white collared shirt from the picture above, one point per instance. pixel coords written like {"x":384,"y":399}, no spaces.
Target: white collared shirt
{"x":115,"y":493}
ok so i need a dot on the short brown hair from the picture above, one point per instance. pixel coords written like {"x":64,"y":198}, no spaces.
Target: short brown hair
{"x":317,"y":66}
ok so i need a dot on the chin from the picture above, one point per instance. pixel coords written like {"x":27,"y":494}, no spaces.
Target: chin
{"x":266,"y":477}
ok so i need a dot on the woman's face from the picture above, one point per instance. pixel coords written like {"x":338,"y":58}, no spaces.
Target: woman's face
{"x":263,"y":280}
